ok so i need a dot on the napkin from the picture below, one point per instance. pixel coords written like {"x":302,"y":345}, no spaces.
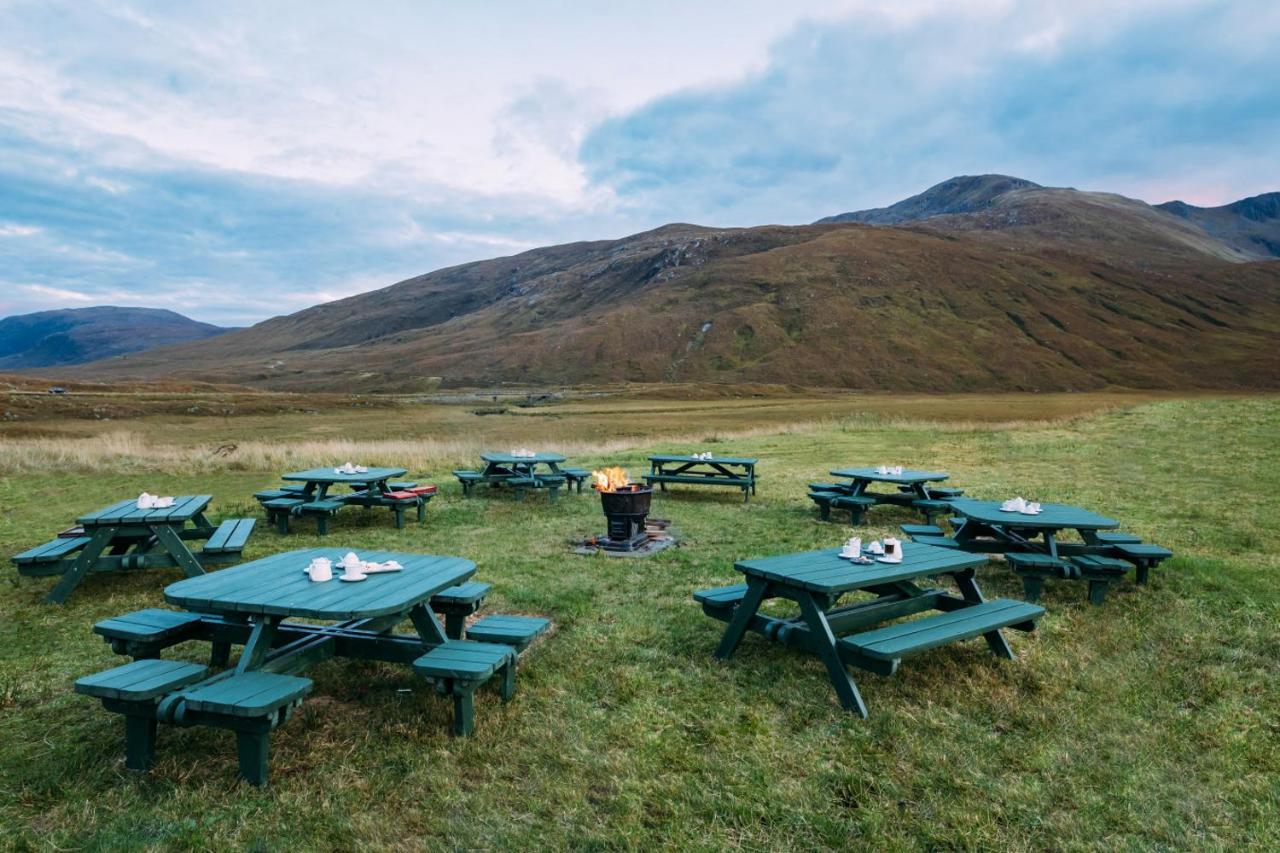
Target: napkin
{"x":149,"y":501}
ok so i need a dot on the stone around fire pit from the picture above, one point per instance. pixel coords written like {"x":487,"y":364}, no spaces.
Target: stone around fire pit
{"x":659,"y":537}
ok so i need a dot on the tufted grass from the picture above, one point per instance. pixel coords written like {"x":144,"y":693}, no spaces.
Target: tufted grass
{"x":1149,"y":722}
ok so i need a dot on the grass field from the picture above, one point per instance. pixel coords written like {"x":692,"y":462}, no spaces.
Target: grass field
{"x":1149,"y":722}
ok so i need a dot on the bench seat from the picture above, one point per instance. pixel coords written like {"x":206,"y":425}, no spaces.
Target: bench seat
{"x":145,"y":633}
{"x":468,"y":475}
{"x":51,"y":552}
{"x":248,"y":694}
{"x":921,"y":530}
{"x":457,"y":603}
{"x":894,"y":642}
{"x":458,"y":667}
{"x":1144,"y":557}
{"x":576,"y":477}
{"x":230,"y":537}
{"x":838,"y":488}
{"x":720,"y":600}
{"x":508,"y":630}
{"x":141,"y":680}
{"x":697,"y":480}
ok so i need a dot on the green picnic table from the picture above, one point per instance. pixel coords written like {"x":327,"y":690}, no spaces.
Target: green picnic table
{"x":857,"y":496}
{"x":843,"y":635}
{"x":733,"y":471}
{"x":257,"y":605}
{"x":1032,"y":548}
{"x":122,"y":537}
{"x":316,"y":497}
{"x":521,"y":473}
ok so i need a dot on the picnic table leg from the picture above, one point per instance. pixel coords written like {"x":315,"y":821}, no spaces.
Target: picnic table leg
{"x":139,"y":742}
{"x":399,"y":511}
{"x":84,"y":561}
{"x":258,"y":645}
{"x":422,"y":510}
{"x":322,"y":525}
{"x":742,"y":615}
{"x":251,"y":748}
{"x":824,"y":643}
{"x":968,"y":586}
{"x":1032,"y":587}
{"x":177,"y":549}
{"x":427,"y":625}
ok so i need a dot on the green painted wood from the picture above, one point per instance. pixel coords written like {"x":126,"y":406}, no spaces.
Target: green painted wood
{"x":327,"y":507}
{"x":697,"y":479}
{"x":278,"y":586}
{"x":465,"y":660}
{"x":185,"y":508}
{"x":140,"y":681}
{"x":907,"y":477}
{"x":921,"y":530}
{"x":826,"y":572}
{"x":463,"y":595}
{"x":330,"y":477}
{"x":248,"y":694}
{"x":1052,"y":517}
{"x":468,"y":475}
{"x":231,"y":536}
{"x":1033,"y":560}
{"x":151,"y":624}
{"x":905,"y":638}
{"x":283,"y":503}
{"x":1144,"y":552}
{"x":721,"y":596}
{"x":936,"y":541}
{"x":51,"y":552}
{"x":859,"y":501}
{"x":508,"y":459}
{"x":1091,"y":565}
{"x":508,"y":630}
{"x":664,"y":458}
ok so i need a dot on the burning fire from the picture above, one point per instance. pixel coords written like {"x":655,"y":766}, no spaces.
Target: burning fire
{"x":611,"y":479}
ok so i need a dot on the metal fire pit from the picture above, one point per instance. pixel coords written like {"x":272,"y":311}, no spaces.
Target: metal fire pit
{"x":625,"y":510}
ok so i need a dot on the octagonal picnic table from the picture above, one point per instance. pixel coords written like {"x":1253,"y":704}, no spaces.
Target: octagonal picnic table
{"x":914,"y":493}
{"x":533,"y":471}
{"x":318,"y":481}
{"x":122,"y":537}
{"x":369,"y":489}
{"x":990,"y":530}
{"x":844,"y":635}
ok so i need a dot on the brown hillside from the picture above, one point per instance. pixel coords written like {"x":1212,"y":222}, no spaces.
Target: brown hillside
{"x":824,"y":305}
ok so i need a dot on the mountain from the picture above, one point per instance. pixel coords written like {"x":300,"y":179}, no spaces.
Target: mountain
{"x":1251,"y":225}
{"x":76,"y":335}
{"x":1033,"y":289}
{"x":963,"y":194}
{"x":1013,"y":212}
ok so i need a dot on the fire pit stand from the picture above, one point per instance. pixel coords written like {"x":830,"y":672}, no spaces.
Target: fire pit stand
{"x":629,"y":531}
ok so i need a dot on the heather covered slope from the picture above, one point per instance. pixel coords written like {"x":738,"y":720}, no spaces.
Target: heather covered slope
{"x":1040,"y":289}
{"x":1250,"y":225}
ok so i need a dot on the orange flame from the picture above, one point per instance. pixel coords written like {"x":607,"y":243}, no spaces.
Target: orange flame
{"x":611,"y":479}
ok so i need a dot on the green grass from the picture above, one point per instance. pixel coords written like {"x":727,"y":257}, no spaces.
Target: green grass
{"x":1148,"y":722}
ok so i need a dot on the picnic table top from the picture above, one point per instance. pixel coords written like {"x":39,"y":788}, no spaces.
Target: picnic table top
{"x":508,"y":459}
{"x":907,"y":477}
{"x":184,"y":508}
{"x":1052,"y":516}
{"x":328,"y":475}
{"x":825,"y":571}
{"x":723,"y":460}
{"x":278,"y":586}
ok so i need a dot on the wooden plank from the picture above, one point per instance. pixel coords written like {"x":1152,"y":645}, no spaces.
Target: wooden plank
{"x":895,"y":641}
{"x":249,"y":694}
{"x":141,"y":680}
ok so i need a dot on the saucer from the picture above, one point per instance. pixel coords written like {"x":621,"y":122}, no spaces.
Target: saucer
{"x":1029,"y":511}
{"x":352,"y":578}
{"x":887,"y":560}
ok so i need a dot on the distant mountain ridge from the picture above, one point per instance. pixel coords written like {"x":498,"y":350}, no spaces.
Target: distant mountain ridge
{"x":1251,"y":225}
{"x":1244,"y":230}
{"x":962,"y":194}
{"x":77,"y":335}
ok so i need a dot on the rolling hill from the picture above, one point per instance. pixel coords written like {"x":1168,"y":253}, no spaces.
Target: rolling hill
{"x":1251,"y":225}
{"x":994,"y":283}
{"x":77,"y":335}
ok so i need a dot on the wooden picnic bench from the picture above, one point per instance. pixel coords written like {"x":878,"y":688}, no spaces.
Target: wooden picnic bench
{"x":310,"y":494}
{"x":521,"y":474}
{"x":853,"y":634}
{"x":735,"y":472}
{"x":122,"y":537}
{"x":1032,"y":547}
{"x":912,"y":490}
{"x":254,"y":606}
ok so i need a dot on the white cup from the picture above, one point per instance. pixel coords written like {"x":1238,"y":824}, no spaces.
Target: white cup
{"x":875,"y":548}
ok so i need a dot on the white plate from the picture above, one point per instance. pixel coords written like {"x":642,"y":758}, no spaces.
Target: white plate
{"x":353,"y":580}
{"x":1025,"y":512}
{"x":885,"y":560}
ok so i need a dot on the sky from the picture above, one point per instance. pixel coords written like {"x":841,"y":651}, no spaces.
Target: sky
{"x":235,"y":161}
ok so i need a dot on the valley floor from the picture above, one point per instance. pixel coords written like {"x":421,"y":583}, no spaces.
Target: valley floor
{"x":1147,"y":722}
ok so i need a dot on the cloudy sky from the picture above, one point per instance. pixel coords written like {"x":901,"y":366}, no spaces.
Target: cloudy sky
{"x":234,"y":161}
